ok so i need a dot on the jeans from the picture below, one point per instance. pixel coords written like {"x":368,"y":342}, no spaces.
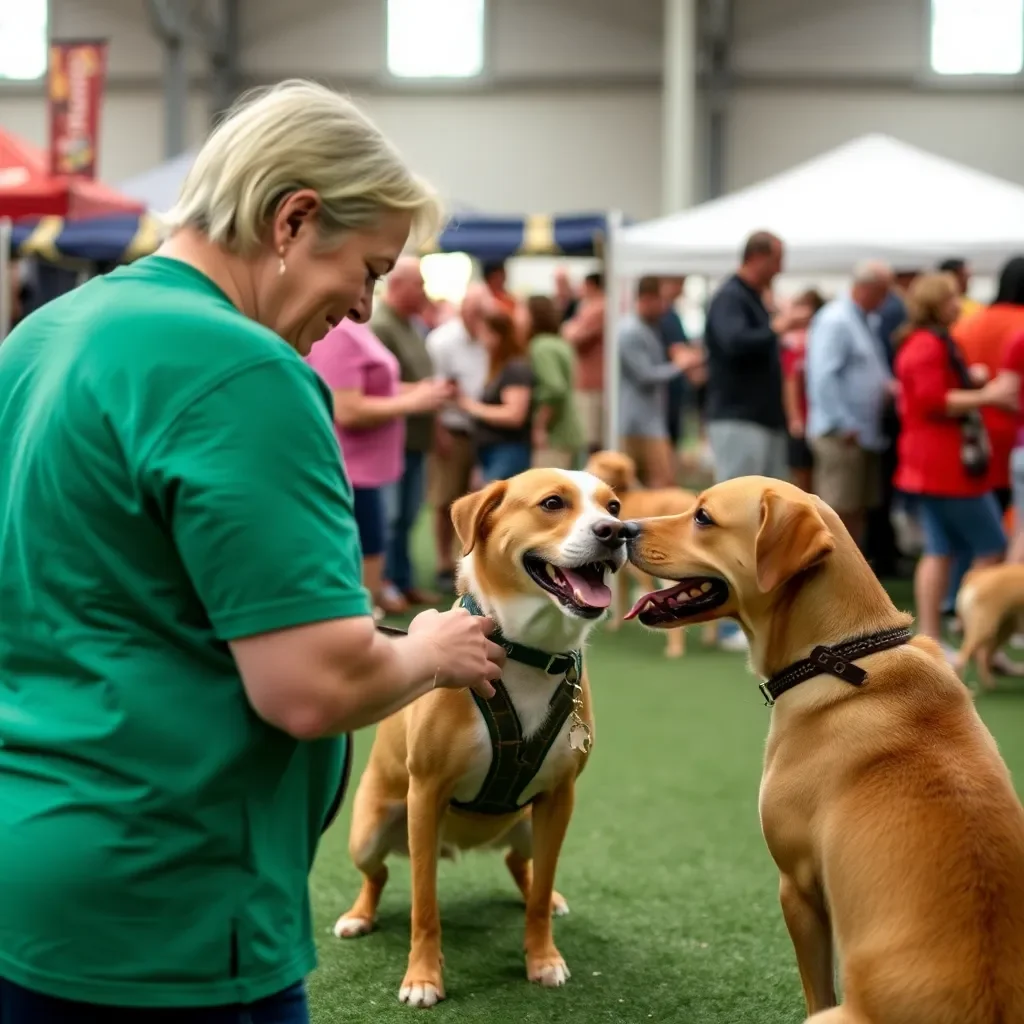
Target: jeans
{"x":501,"y":461}
{"x":22,"y":1006}
{"x":404,"y":500}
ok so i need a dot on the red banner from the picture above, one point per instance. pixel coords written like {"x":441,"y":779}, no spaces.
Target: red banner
{"x":77,"y":75}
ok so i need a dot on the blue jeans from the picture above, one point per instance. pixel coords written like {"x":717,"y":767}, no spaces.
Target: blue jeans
{"x":501,"y":461}
{"x":404,"y":500}
{"x":953,"y":526}
{"x":20,"y":1006}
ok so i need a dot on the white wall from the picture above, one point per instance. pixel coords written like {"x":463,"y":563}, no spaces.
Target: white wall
{"x":569,"y":118}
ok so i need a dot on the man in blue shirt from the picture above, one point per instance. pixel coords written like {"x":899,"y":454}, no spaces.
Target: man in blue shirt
{"x":849,"y":385}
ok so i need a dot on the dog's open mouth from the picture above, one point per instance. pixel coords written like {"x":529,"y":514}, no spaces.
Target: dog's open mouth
{"x":687,"y":599}
{"x":580,"y":588}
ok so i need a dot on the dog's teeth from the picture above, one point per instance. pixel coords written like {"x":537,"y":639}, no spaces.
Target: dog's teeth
{"x":579,"y":596}
{"x":695,"y":592}
{"x":672,"y":603}
{"x":551,"y":570}
{"x":705,"y":587}
{"x":682,"y":596}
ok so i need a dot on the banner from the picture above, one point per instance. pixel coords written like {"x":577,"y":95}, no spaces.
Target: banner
{"x":77,"y":75}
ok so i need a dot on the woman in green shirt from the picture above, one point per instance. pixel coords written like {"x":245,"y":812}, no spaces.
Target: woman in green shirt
{"x":186,"y":638}
{"x":557,"y":429}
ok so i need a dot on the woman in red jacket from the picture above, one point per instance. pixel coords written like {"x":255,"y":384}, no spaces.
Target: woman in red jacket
{"x":942,"y":453}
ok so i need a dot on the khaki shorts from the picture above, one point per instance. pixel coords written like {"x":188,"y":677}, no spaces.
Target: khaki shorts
{"x":553,"y":458}
{"x":590,"y":405}
{"x":846,"y":476}
{"x":448,"y":479}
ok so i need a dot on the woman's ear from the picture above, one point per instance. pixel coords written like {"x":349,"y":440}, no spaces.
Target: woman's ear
{"x":471,"y":514}
{"x":792,"y":538}
{"x":294,"y":212}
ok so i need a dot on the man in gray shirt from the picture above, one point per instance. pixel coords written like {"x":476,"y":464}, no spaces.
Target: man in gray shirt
{"x":643,"y":388}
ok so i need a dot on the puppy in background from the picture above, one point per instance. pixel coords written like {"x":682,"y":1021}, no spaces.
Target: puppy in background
{"x":989,"y":604}
{"x":618,"y":471}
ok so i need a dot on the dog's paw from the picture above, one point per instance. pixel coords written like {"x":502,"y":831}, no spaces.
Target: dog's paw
{"x":549,"y":971}
{"x":352,"y":927}
{"x":420,"y":990}
{"x":559,"y":905}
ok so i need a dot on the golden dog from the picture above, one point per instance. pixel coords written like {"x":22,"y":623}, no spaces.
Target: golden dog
{"x":884,"y":801}
{"x":989,"y":605}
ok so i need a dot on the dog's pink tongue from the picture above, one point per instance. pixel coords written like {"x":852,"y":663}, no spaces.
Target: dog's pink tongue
{"x":595,"y":595}
{"x":638,"y":607}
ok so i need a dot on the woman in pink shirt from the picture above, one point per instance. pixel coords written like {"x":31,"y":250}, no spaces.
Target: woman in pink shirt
{"x":370,"y":405}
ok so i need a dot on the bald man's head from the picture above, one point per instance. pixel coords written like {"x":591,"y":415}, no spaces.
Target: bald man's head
{"x":404,"y":290}
{"x":476,"y":304}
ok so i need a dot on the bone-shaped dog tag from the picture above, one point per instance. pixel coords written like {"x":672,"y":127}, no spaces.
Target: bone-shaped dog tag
{"x":579,"y":737}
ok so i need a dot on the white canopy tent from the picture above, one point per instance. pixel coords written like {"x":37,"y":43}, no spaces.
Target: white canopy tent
{"x":872,"y":198}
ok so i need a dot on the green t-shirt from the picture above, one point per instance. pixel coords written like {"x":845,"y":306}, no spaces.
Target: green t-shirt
{"x":553,"y":362}
{"x":169,"y":481}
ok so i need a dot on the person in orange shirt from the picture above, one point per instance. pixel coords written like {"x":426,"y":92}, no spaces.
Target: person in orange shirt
{"x":496,"y":278}
{"x":984,"y":338}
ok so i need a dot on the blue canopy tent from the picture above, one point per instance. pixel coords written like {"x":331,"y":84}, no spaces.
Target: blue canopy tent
{"x":117,"y":239}
{"x":498,"y":238}
{"x":123,"y":238}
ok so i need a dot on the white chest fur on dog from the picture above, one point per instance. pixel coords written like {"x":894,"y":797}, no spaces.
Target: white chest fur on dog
{"x":530,"y":691}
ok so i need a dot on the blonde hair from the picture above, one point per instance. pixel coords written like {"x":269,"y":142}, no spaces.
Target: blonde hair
{"x":924,"y":301}
{"x":292,"y":136}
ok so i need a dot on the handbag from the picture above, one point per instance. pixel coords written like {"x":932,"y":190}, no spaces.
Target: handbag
{"x":975,"y":447}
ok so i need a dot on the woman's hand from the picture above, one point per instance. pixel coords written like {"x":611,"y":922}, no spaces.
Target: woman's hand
{"x":1002,"y":392}
{"x":465,"y":657}
{"x":978,"y":372}
{"x":428,"y":395}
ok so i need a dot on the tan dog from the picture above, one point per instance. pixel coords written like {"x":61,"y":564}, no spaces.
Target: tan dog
{"x":989,"y":605}
{"x":884,"y":801}
{"x":618,"y":471}
{"x":444,"y":774}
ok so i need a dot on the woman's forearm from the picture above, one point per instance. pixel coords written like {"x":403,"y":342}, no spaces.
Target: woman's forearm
{"x":962,"y":400}
{"x":331,"y":677}
{"x":505,"y":415}
{"x":355,"y":411}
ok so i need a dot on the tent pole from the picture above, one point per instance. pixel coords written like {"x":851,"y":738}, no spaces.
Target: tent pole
{"x":5,"y":278}
{"x":612,"y":297}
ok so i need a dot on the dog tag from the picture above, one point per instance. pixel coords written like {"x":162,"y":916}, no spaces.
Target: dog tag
{"x":579,"y":737}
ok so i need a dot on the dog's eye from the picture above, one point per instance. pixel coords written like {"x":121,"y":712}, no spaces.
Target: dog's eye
{"x":614,"y":508}
{"x":553,"y":503}
{"x":701,"y":517}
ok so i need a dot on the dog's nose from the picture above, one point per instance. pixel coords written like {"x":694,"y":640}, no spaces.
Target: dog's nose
{"x":630,"y":530}
{"x":612,"y":533}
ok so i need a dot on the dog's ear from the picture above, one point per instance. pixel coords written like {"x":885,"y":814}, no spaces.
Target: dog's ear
{"x":471,"y":514}
{"x":792,"y":537}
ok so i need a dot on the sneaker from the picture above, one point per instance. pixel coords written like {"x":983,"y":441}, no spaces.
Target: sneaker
{"x":953,"y":625}
{"x":1017,"y":641}
{"x":416,"y":596}
{"x":1004,"y":665}
{"x":735,"y":642}
{"x":950,"y":652}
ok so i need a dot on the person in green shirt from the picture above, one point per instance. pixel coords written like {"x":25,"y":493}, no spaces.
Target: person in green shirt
{"x":557,"y":428}
{"x":186,"y":638}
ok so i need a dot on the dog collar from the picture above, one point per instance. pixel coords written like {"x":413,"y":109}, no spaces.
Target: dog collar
{"x":553,"y":664}
{"x":836,"y":661}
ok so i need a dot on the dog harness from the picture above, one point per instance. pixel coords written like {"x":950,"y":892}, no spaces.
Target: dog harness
{"x":836,"y":661}
{"x":515,"y":759}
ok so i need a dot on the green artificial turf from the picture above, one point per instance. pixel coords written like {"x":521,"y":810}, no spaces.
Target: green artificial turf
{"x":674,"y":916}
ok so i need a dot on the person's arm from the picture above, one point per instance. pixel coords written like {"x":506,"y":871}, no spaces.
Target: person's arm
{"x":791,"y":394}
{"x":586,"y":328}
{"x":828,"y":349}
{"x":355,"y":411}
{"x":262,"y":519}
{"x":728,"y":323}
{"x":511,"y":414}
{"x":640,"y":365}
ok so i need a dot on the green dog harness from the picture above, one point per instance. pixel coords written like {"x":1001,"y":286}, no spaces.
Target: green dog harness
{"x":515,"y":760}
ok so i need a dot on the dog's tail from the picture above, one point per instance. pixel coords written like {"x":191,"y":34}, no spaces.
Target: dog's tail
{"x":965,"y":596}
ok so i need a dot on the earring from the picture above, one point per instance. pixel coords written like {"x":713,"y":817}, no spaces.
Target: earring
{"x":280,"y":266}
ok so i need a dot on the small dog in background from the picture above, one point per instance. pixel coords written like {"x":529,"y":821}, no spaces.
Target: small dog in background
{"x":618,"y":471}
{"x":989,"y":605}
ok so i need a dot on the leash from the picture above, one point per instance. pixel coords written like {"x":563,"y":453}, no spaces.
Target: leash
{"x":835,"y":661}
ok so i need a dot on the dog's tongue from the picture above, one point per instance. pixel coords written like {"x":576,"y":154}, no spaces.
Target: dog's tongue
{"x":638,"y":607}
{"x":594,"y":595}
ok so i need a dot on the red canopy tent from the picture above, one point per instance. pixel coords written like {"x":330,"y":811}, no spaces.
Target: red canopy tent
{"x":27,"y":189}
